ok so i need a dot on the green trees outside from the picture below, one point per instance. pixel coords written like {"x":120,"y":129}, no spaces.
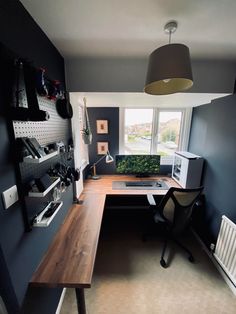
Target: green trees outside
{"x":169,"y":135}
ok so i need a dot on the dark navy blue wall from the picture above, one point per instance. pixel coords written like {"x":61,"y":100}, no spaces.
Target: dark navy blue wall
{"x":21,"y":252}
{"x":112,"y":115}
{"x":6,"y":289}
{"x":22,"y":35}
{"x":213,"y":137}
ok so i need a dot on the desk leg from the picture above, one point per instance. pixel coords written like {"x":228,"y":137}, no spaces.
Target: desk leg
{"x":80,"y":300}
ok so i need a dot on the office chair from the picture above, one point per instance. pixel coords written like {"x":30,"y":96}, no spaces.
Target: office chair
{"x":174,"y":211}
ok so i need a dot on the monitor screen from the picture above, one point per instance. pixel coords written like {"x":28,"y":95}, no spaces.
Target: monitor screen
{"x":138,"y":164}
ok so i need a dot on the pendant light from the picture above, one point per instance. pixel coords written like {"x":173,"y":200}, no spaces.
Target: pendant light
{"x":169,"y":69}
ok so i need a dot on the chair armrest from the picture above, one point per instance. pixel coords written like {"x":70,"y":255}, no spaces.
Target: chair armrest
{"x":151,"y":200}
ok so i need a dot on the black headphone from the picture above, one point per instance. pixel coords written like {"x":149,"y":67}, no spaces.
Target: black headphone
{"x":64,"y":108}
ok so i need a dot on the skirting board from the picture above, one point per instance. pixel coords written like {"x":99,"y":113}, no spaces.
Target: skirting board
{"x":61,"y":301}
{"x":217,"y":265}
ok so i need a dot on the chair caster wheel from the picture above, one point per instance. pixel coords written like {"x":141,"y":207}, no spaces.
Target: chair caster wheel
{"x":191,"y":259}
{"x":163,"y":263}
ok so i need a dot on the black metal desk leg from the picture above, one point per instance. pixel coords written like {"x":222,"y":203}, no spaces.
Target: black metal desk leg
{"x":80,"y":300}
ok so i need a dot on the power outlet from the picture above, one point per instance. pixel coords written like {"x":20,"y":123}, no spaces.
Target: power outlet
{"x":10,"y":196}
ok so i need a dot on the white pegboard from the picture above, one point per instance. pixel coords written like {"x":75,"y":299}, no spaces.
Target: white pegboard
{"x":54,"y":130}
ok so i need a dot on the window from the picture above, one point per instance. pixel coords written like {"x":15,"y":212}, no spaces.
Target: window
{"x":169,"y":126}
{"x":138,"y":131}
{"x":154,"y":131}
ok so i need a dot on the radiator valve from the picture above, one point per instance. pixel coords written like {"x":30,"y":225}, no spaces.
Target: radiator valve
{"x":212,"y":247}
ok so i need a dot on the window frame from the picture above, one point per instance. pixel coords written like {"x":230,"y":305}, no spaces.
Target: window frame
{"x":184,"y":129}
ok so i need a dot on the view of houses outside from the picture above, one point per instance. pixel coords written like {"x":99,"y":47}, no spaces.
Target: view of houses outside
{"x":138,"y":131}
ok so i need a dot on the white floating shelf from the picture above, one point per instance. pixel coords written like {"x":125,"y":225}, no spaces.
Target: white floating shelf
{"x":42,"y":194}
{"x":32,"y":160}
{"x":45,"y":222}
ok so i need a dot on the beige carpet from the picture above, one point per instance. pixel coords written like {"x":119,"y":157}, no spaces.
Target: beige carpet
{"x":128,"y":279}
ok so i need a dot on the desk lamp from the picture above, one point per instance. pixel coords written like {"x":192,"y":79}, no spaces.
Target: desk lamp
{"x":109,"y":159}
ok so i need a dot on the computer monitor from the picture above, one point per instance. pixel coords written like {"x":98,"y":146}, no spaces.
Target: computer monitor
{"x":139,"y":165}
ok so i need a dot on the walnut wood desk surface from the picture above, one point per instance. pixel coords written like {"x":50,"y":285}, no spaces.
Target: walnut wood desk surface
{"x":69,"y":261}
{"x":104,"y":185}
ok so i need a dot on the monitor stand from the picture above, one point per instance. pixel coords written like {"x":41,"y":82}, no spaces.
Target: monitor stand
{"x":142,"y":175}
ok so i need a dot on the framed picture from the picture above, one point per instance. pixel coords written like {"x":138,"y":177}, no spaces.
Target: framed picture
{"x":102,"y":148}
{"x":102,"y":126}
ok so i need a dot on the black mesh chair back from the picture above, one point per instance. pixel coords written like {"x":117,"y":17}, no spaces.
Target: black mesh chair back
{"x":175,"y":210}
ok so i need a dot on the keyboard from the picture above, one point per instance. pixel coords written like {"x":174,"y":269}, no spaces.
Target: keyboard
{"x":143,"y":184}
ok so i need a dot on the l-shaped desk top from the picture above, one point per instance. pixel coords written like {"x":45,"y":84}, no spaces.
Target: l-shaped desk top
{"x":69,"y":260}
{"x":104,"y":185}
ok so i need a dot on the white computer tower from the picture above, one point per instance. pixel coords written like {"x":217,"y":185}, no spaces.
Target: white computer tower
{"x":187,"y":169}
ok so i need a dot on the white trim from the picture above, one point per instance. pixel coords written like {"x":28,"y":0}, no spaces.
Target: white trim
{"x":155,"y":123}
{"x":60,"y":301}
{"x":217,"y":265}
{"x":187,"y":112}
{"x":121,"y":130}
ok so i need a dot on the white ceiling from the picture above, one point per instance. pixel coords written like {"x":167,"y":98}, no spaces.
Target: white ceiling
{"x":133,"y":28}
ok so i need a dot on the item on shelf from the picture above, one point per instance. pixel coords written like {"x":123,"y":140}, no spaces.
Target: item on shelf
{"x":43,"y":183}
{"x":52,"y":147}
{"x":54,"y":89}
{"x":41,"y":86}
{"x":46,"y":215}
{"x":54,"y":182}
{"x":25,"y":83}
{"x":56,"y":194}
{"x":31,"y":186}
{"x":62,"y":187}
{"x":51,"y":209}
{"x":76,"y":174}
{"x":34,"y":187}
{"x":35,"y":147}
{"x":70,"y":149}
{"x":61,"y":147}
{"x":67,"y":174}
{"x":29,"y":147}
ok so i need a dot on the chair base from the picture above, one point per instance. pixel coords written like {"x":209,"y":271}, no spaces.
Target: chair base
{"x":163,"y":262}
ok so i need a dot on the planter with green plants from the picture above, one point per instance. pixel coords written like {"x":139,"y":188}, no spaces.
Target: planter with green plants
{"x":86,"y":131}
{"x":86,"y":135}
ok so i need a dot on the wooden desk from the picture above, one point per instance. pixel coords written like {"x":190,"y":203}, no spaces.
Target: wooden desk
{"x":69,"y":261}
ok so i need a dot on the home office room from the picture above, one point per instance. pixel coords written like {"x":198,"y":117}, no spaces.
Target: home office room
{"x":117,"y":157}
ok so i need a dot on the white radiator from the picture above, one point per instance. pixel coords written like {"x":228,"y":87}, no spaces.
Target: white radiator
{"x":225,"y":250}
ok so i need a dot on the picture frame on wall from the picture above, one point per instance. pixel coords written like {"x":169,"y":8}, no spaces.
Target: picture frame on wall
{"x":102,"y":148}
{"x":102,"y":126}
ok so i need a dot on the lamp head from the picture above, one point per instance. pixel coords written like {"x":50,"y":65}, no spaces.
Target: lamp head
{"x":169,"y":68}
{"x":109,"y":158}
